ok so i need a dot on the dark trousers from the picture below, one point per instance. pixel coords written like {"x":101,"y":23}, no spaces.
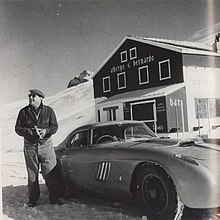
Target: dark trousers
{"x":53,"y":182}
{"x":42,"y":155}
{"x":34,"y":191}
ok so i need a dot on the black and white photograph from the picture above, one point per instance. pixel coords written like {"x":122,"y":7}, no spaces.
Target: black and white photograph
{"x":110,"y":109}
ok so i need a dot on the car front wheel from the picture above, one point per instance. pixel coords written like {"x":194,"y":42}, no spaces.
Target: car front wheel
{"x":157,"y":195}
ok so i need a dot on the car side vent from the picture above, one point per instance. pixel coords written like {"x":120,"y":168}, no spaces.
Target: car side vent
{"x":186,"y":143}
{"x":103,"y":171}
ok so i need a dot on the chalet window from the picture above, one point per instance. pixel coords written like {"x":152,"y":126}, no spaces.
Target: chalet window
{"x":111,"y":113}
{"x":133,"y":53}
{"x":106,"y":84}
{"x":121,"y":80}
{"x":164,"y":69}
{"x":143,"y":75}
{"x":124,"y":56}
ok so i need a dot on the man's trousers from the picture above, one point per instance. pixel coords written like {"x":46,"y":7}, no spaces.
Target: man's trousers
{"x":41,"y":156}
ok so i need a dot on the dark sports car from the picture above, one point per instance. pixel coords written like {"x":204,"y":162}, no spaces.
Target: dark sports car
{"x":127,"y":159}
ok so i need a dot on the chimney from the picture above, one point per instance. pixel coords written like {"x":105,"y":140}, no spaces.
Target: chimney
{"x":214,"y":45}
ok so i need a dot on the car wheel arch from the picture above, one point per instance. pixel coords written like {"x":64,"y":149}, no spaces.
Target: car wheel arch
{"x":138,"y":169}
{"x":135,"y":187}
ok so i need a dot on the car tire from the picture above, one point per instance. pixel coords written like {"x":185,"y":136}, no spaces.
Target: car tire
{"x":156,"y":194}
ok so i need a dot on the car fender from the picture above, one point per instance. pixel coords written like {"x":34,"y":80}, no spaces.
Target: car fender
{"x":190,"y":180}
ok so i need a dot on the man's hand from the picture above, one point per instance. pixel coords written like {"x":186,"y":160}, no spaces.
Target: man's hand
{"x":42,"y":132}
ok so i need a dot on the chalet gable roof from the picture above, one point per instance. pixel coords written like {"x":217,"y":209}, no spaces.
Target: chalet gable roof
{"x":184,"y":47}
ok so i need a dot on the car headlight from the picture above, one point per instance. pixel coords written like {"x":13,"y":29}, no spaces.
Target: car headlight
{"x":186,"y":159}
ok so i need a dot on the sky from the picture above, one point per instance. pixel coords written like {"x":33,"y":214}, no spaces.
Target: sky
{"x":44,"y":44}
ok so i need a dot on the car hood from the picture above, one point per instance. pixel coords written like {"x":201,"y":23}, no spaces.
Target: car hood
{"x":203,"y":153}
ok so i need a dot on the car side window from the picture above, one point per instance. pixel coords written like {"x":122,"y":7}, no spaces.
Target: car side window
{"x":79,"y":139}
{"x":137,"y":131}
{"x":103,"y":135}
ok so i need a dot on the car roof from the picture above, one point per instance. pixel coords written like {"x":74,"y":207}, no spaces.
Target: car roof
{"x":108,"y":123}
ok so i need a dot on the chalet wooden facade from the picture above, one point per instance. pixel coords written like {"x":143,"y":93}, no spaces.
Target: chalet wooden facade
{"x":161,"y":83}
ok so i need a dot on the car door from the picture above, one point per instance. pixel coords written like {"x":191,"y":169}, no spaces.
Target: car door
{"x":84,"y":165}
{"x":73,"y":158}
{"x":92,"y":167}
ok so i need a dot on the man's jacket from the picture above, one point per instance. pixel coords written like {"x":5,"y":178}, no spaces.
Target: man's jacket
{"x":27,"y":120}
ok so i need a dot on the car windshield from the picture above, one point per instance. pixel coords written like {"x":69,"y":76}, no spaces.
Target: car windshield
{"x":121,"y":132}
{"x":138,"y":131}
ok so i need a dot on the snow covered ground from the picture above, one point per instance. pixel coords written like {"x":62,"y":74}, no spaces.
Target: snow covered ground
{"x":73,"y":107}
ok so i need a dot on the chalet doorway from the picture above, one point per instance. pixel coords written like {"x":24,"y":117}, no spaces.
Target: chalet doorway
{"x":145,"y":111}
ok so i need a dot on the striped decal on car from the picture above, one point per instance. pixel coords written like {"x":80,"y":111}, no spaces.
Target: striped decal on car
{"x":103,"y":171}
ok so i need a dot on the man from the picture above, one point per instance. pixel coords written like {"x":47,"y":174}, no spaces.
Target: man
{"x":36,"y":123}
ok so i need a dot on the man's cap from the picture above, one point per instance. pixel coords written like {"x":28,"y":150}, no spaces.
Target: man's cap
{"x":37,"y":92}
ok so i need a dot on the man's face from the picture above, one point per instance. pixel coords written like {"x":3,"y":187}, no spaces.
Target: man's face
{"x":34,"y":100}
